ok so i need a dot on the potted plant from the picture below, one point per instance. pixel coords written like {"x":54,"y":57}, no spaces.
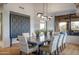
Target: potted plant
{"x":37,"y":33}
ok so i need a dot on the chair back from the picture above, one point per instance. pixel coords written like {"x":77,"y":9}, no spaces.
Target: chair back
{"x":26,"y":35}
{"x":54,"y":42}
{"x":48,"y":35}
{"x":23,"y":44}
{"x":65,"y":38}
{"x":60,"y":40}
{"x":33,"y":35}
{"x":42,"y":36}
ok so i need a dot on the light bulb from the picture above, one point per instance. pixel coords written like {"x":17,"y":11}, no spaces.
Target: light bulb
{"x":43,"y":17}
{"x":39,"y":14}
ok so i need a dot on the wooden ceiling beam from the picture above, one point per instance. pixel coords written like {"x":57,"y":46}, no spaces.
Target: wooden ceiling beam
{"x":67,"y":16}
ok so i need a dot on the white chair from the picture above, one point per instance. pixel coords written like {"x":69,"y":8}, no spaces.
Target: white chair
{"x":48,"y":35}
{"x":52,"y":48}
{"x":65,"y":39}
{"x":34,"y":36}
{"x":55,"y":44}
{"x":25,"y":47}
{"x":42,"y":37}
{"x":26,"y":35}
{"x":60,"y":42}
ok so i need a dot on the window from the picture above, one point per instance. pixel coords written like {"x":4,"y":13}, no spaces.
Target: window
{"x":74,"y":25}
{"x":42,"y":25}
{"x":62,"y":26}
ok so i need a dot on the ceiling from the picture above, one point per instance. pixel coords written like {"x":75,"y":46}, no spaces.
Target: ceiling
{"x":54,"y":8}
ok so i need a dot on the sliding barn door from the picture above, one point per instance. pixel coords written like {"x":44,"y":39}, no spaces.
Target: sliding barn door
{"x":19,"y":24}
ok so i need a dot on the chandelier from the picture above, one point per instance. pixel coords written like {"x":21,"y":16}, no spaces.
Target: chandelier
{"x":44,"y":15}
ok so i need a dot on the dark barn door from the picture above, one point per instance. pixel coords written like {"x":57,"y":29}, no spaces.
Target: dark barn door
{"x":18,"y":24}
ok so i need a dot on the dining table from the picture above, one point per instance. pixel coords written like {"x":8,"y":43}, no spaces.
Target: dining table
{"x":38,"y":42}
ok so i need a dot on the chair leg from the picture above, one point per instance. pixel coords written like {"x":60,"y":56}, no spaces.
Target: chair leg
{"x":61,"y":49}
{"x":20,"y":52}
{"x":54,"y":52}
{"x":64,"y":45}
{"x":57,"y":51}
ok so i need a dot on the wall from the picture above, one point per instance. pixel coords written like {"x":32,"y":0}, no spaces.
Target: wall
{"x":28,"y":10}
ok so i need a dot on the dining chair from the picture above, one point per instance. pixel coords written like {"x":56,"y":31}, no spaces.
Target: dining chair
{"x":59,"y":47}
{"x":52,"y":48}
{"x":33,"y":36}
{"x":42,"y":36}
{"x":48,"y":35}
{"x":25,"y":47}
{"x":26,"y":35}
{"x":64,"y":40}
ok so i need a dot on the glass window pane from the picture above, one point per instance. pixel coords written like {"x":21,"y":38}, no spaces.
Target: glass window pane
{"x":62,"y":26}
{"x":75,"y":25}
{"x":42,"y":25}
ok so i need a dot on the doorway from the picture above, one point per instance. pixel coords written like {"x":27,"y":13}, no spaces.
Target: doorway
{"x":63,"y":26}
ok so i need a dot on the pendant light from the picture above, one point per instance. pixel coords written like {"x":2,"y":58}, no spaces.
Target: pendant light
{"x":44,"y":14}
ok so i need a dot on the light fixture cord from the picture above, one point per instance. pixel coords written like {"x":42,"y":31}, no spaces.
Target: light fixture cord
{"x":47,"y":9}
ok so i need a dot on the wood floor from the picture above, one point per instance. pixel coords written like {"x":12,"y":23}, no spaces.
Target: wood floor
{"x":14,"y":50}
{"x":70,"y":49}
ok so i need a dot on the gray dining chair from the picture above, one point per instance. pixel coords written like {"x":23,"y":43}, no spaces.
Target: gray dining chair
{"x":52,"y":48}
{"x":25,"y":47}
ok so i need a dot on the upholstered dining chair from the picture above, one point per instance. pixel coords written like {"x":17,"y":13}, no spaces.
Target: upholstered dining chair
{"x":48,"y":35}
{"x":25,"y":47}
{"x":42,"y":36}
{"x":52,"y":48}
{"x":59,"y":47}
{"x":26,"y":35}
{"x":64,"y":40}
{"x":33,"y":36}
